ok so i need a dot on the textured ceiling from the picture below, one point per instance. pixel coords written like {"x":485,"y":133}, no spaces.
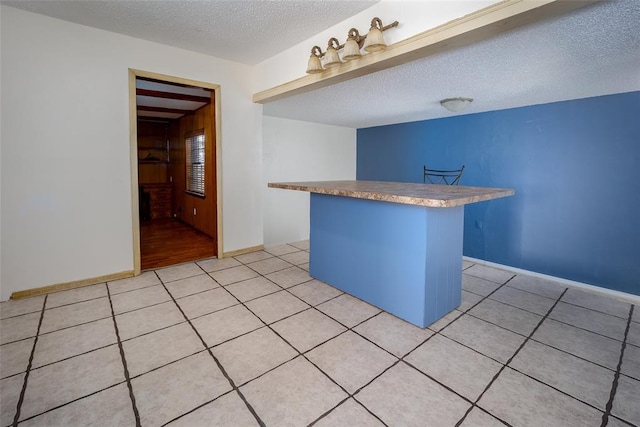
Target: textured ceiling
{"x":592,"y":51}
{"x":246,"y":31}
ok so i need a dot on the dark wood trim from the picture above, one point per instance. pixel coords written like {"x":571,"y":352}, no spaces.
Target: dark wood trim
{"x":171,"y":95}
{"x":173,"y":83}
{"x":164,"y":110}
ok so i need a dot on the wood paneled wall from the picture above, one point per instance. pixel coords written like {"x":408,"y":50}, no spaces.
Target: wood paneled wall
{"x":152,"y":153}
{"x":199,"y":212}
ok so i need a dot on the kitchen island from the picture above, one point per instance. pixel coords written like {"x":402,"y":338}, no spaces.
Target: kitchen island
{"x":395,"y":245}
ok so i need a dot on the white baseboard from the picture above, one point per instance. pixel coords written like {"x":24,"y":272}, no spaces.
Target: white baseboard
{"x":624,"y":296}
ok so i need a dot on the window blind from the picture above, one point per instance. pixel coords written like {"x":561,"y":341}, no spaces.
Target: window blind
{"x":194,"y":154}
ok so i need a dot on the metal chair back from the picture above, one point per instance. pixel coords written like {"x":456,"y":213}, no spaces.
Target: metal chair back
{"x":446,"y":177}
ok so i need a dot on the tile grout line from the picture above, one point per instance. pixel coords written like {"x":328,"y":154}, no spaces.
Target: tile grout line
{"x":200,"y":351}
{"x":18,"y":315}
{"x":168,"y":363}
{"x":466,"y":399}
{"x":476,"y":351}
{"x":496,"y":324}
{"x":70,"y":357}
{"x":347,"y":329}
{"x":349,"y":395}
{"x":243,"y":303}
{"x":533,"y":339}
{"x":504,"y":364}
{"x":197,"y":407}
{"x":124,"y":363}
{"x":574,"y":304}
{"x":217,"y":345}
{"x":324,"y":414}
{"x":534,"y":293}
{"x":393,"y":355}
{"x":128,"y":291}
{"x":273,"y":256}
{"x":299,"y":353}
{"x":26,"y":375}
{"x":77,"y":324}
{"x":218,"y":363}
{"x":598,"y":311}
{"x":401,"y":359}
{"x":153,"y":331}
{"x":72,"y":401}
{"x":557,"y":389}
{"x":484,"y":298}
{"x":495,"y":377}
{"x":438,"y":332}
{"x":547,"y":344}
{"x":77,"y":302}
{"x":435,"y":332}
{"x":623,"y":421}
{"x":287,"y":289}
{"x":304,"y":355}
{"x":571,"y":354}
{"x":514,"y":306}
{"x":352,"y":329}
{"x":587,"y":330}
{"x":130,"y":311}
{"x":61,"y":329}
{"x":616,"y":377}
{"x":489,"y":280}
{"x":448,"y":324}
{"x":61,"y":305}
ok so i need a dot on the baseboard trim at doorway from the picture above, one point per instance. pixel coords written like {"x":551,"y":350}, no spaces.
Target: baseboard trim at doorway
{"x":71,"y":285}
{"x":243,"y":251}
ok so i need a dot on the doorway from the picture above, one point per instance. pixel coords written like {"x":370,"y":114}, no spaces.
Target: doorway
{"x":175,"y":155}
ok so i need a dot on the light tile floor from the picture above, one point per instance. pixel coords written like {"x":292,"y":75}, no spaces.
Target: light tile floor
{"x":253,"y":340}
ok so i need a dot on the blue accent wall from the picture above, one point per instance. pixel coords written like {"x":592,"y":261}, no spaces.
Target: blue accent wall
{"x":575,"y":167}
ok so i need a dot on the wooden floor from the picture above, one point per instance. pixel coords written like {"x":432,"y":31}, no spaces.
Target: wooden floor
{"x":167,"y":242}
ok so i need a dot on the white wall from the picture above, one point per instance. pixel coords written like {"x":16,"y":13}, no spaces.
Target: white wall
{"x":0,"y":158}
{"x":300,"y":151}
{"x":65,"y":167}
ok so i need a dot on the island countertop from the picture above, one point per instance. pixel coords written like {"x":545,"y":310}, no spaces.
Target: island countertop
{"x":429,"y":195}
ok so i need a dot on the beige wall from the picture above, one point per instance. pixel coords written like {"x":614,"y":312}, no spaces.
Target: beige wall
{"x":66,"y":207}
{"x":300,"y":151}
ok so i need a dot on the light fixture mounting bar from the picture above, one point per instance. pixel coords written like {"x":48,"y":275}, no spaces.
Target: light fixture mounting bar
{"x":392,"y":25}
{"x":351,"y":47}
{"x":360,"y":39}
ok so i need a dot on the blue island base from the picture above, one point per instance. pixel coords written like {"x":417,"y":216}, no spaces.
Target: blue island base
{"x":404,"y":259}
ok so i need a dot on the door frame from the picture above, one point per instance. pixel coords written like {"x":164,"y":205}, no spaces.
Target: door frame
{"x":133,"y":145}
